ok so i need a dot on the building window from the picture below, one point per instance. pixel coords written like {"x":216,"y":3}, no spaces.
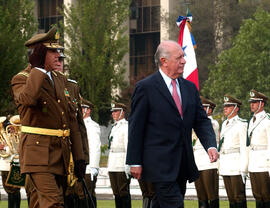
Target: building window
{"x":144,"y":36}
{"x":48,"y":14}
{"x":142,"y":49}
{"x":145,"y":16}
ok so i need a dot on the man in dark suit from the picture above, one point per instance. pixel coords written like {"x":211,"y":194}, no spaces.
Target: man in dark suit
{"x":164,"y":109}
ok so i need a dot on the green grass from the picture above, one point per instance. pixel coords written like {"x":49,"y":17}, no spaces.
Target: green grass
{"x":136,"y":204}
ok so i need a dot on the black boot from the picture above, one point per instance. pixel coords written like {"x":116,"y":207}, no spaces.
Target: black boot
{"x":92,"y":202}
{"x":242,"y":204}
{"x":259,"y":204}
{"x":266,"y":204}
{"x":71,"y":201}
{"x":126,"y":201}
{"x":14,"y":200}
{"x":214,"y":203}
{"x":147,"y":202}
{"x":83,"y":203}
{"x":232,"y":205}
{"x":203,"y":204}
{"x":118,"y":202}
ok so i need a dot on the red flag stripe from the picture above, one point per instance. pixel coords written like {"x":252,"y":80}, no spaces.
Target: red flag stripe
{"x":181,"y":32}
{"x":193,"y":77}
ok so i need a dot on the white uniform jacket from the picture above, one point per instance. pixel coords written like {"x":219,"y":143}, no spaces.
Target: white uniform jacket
{"x":5,"y":162}
{"x":233,"y":153}
{"x":201,"y":157}
{"x":93,"y":135}
{"x":259,"y":149}
{"x":118,"y":150}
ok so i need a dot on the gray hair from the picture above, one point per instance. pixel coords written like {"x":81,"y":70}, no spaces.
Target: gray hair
{"x":163,"y":50}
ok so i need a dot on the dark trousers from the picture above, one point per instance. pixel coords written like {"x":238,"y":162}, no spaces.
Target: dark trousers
{"x":171,"y":194}
{"x":148,"y":193}
{"x":235,"y":188}
{"x":119,"y":183}
{"x":120,"y":187}
{"x":260,"y":184}
{"x":207,"y":185}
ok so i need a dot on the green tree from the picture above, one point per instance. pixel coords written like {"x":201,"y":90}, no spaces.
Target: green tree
{"x":204,"y":30}
{"x":97,"y":42}
{"x":17,"y":24}
{"x":245,"y":66}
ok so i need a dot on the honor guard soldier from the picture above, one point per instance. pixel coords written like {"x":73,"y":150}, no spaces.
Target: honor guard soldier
{"x":50,"y":131}
{"x":9,"y":155}
{"x":258,"y":142}
{"x":93,"y":133}
{"x":118,"y":139}
{"x":233,"y":154}
{"x":207,"y":184}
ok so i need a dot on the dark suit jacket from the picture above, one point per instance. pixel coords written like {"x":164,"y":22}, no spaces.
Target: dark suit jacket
{"x":158,"y":137}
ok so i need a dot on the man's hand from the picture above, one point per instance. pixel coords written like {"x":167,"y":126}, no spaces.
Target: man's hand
{"x":213,"y":154}
{"x":136,"y":172}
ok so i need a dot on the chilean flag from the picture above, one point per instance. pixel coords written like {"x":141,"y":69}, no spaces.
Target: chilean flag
{"x":186,"y":41}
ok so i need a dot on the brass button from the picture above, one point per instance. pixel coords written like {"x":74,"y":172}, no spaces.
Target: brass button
{"x":44,"y":102}
{"x":37,"y":142}
{"x":64,"y":125}
{"x":66,"y":132}
{"x":59,"y":101}
{"x":63,"y":113}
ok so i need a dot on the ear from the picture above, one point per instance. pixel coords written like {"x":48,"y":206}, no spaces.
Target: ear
{"x":163,"y":60}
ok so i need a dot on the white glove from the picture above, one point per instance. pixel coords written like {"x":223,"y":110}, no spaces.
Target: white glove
{"x":93,"y":172}
{"x":127,"y":171}
{"x":244,"y":177}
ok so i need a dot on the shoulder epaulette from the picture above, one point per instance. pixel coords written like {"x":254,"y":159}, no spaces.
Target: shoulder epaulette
{"x":55,"y":73}
{"x":71,"y":80}
{"x":24,"y":73}
{"x":243,"y":120}
{"x":268,"y":115}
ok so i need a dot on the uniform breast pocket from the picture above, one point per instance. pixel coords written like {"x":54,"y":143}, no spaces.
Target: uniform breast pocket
{"x":36,"y":151}
{"x":44,"y":105}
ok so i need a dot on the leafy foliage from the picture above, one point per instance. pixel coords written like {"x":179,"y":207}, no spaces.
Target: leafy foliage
{"x":203,"y":26}
{"x":17,"y":24}
{"x":97,"y":43}
{"x":245,"y":66}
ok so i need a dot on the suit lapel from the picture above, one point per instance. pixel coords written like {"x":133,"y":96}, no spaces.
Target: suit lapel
{"x":163,"y":89}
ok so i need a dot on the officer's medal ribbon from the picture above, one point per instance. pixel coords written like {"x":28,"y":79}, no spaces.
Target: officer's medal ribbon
{"x":66,"y":92}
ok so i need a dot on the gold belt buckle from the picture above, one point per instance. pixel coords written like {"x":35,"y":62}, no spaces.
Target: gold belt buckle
{"x":65,"y":133}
